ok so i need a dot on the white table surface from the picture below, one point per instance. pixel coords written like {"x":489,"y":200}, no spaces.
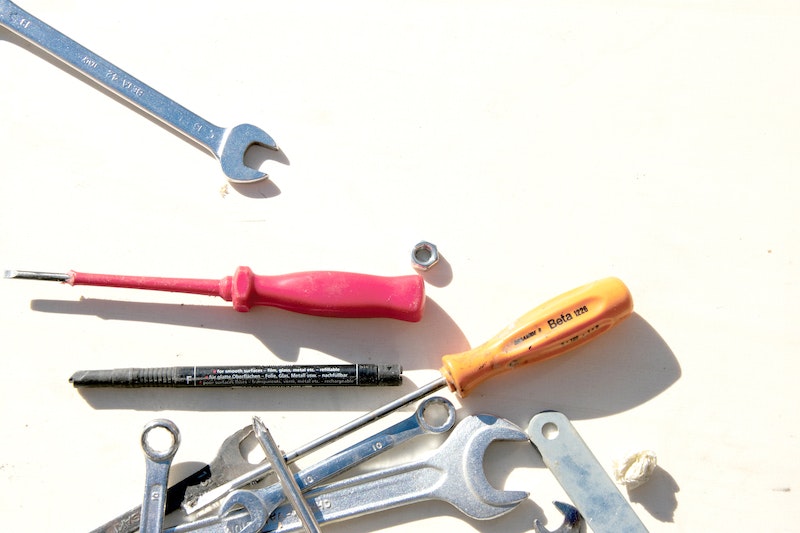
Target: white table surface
{"x":539,"y":145}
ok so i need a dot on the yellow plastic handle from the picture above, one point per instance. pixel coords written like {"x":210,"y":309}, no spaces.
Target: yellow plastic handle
{"x":555,"y":327}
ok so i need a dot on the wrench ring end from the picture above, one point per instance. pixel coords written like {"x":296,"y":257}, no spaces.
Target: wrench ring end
{"x":172,"y":429}
{"x":443,"y":427}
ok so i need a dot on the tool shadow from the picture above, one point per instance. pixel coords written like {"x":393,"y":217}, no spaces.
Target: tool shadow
{"x":618,"y":371}
{"x":284,"y":334}
{"x":614,"y":373}
{"x":255,"y":156}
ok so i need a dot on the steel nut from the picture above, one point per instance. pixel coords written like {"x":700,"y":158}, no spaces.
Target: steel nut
{"x":424,"y":255}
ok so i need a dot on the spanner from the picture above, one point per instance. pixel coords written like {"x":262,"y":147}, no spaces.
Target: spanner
{"x":573,"y":521}
{"x":229,"y":463}
{"x":272,"y":496}
{"x":228,"y":145}
{"x":581,"y":475}
{"x":290,"y":487}
{"x":452,"y":473}
{"x":593,"y":309}
{"x":157,"y":473}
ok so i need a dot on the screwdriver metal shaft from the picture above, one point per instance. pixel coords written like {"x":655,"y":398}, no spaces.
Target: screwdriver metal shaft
{"x":549,"y":330}
{"x":320,"y":293}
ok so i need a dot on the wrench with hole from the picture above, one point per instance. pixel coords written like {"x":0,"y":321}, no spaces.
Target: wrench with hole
{"x":452,"y":473}
{"x":268,"y":498}
{"x":228,"y":145}
{"x":158,"y":462}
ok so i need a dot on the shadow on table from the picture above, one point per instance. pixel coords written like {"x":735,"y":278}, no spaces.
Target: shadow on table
{"x":658,"y":495}
{"x":255,"y":156}
{"x":618,"y":371}
{"x":415,"y":345}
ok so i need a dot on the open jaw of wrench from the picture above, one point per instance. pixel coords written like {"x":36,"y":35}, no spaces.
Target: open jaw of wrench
{"x":573,"y":521}
{"x":231,"y":518}
{"x":158,"y":462}
{"x":581,"y":475}
{"x":228,"y":145}
{"x":452,"y":473}
{"x":229,"y":463}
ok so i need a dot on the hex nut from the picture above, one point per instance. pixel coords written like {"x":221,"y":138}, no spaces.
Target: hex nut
{"x":424,"y":256}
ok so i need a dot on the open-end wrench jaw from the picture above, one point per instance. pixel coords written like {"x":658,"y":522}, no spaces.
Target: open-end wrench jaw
{"x":480,"y":432}
{"x":231,"y":152}
{"x":228,"y":464}
{"x":452,"y":473}
{"x":227,"y":144}
{"x":252,"y":504}
{"x":573,"y":521}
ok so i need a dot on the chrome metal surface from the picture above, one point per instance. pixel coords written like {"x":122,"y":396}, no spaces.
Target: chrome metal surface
{"x":573,"y":521}
{"x":272,"y":496}
{"x":290,"y":487}
{"x":41,"y":276}
{"x":581,"y":474}
{"x":254,"y":508}
{"x":228,"y":145}
{"x":453,"y":473}
{"x":203,"y":500}
{"x":424,"y":255}
{"x":158,"y":462}
{"x":229,"y":463}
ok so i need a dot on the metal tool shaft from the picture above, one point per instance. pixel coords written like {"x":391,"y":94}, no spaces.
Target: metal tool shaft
{"x":260,"y":471}
{"x":453,"y":473}
{"x":290,"y":488}
{"x":228,"y":145}
{"x":157,"y":473}
{"x":272,"y":496}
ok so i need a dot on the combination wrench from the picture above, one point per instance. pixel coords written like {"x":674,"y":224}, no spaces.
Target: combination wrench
{"x":551,"y":329}
{"x":452,"y":473}
{"x":158,"y":462}
{"x":228,"y":145}
{"x":270,"y":497}
{"x":228,"y":463}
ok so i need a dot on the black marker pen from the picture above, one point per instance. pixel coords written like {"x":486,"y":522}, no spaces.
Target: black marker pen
{"x":358,"y":375}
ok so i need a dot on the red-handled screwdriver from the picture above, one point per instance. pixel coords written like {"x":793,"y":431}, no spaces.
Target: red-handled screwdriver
{"x":320,"y":293}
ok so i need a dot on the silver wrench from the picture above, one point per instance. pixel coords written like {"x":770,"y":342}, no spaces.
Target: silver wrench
{"x":156,"y":475}
{"x":272,"y":496}
{"x":580,"y":473}
{"x":291,"y":490}
{"x":229,"y":463}
{"x":228,"y":145}
{"x":452,"y":473}
{"x":573,"y":521}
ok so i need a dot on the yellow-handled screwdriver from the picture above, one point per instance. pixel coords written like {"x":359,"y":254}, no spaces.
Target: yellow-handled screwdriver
{"x":553,"y":328}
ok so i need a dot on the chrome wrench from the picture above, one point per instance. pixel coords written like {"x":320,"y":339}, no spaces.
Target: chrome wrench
{"x":229,"y":463}
{"x":580,"y":473}
{"x":158,"y":462}
{"x":452,"y":473}
{"x":228,"y":145}
{"x":290,"y":487}
{"x":272,"y":495}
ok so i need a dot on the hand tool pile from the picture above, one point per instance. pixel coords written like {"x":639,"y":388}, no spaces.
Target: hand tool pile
{"x":233,"y":495}
{"x":454,"y":473}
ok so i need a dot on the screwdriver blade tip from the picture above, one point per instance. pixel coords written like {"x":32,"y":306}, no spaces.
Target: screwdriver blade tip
{"x":43,"y":276}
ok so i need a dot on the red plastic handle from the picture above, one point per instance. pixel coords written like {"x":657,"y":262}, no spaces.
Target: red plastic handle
{"x":340,"y":294}
{"x":333,"y":294}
